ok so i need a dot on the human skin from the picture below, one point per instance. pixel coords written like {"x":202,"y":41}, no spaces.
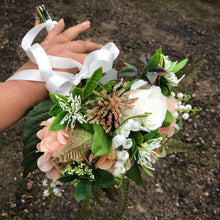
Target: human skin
{"x":18,"y":96}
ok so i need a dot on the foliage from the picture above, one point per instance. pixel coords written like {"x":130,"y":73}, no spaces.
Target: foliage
{"x":31,"y":127}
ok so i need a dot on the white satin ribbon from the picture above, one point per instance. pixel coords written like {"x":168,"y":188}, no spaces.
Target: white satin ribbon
{"x":63,"y":82}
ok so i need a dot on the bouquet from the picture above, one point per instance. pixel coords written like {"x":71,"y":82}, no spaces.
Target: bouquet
{"x":99,"y":136}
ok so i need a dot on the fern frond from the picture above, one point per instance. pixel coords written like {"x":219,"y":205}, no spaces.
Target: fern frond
{"x":174,"y":146}
{"x":92,"y":204}
{"x":79,"y":142}
{"x":190,"y":74}
{"x":122,"y":200}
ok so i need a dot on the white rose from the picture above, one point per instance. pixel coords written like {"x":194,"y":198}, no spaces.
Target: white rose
{"x":150,"y":100}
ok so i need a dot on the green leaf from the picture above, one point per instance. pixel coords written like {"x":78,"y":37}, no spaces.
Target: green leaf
{"x":147,"y":171}
{"x":92,"y":82}
{"x":67,"y":179}
{"x":77,"y":91}
{"x":128,"y":87}
{"x":106,"y":86}
{"x":54,"y":96}
{"x":155,"y":59}
{"x":87,"y":127}
{"x":101,"y":142}
{"x":152,"y":76}
{"x":133,"y":150}
{"x":128,"y":71}
{"x":179,"y":123}
{"x":55,"y":110}
{"x":152,"y":134}
{"x":83,"y":189}
{"x":32,"y":125}
{"x":103,"y":178}
{"x":179,"y":66}
{"x":55,"y":125}
{"x":168,"y":120}
{"x":137,"y":136}
{"x":134,"y":173}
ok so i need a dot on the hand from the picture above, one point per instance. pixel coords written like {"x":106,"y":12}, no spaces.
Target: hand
{"x":61,"y":44}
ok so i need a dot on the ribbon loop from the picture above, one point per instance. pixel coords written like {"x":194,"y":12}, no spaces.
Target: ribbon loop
{"x":60,"y":82}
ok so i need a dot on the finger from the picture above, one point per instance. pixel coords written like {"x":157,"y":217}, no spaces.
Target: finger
{"x":80,"y":46}
{"x":79,"y":57}
{"x":73,"y":32}
{"x":54,"y":32}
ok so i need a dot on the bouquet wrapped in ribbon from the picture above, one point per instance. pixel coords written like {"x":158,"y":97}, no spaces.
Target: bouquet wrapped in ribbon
{"x":100,"y":128}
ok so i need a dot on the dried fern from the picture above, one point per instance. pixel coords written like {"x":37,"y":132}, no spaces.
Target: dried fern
{"x":189,"y":73}
{"x":79,"y":142}
{"x":174,"y":146}
{"x":92,"y":204}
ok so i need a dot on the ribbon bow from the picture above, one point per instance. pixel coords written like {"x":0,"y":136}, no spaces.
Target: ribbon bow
{"x":63,"y":82}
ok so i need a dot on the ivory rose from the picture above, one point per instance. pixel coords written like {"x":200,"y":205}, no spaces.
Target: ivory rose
{"x":51,"y":144}
{"x":150,"y":100}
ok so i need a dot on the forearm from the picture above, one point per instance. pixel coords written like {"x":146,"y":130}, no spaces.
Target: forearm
{"x":17,"y":97}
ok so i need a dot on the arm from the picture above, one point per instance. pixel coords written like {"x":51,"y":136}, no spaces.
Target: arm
{"x":18,"y":96}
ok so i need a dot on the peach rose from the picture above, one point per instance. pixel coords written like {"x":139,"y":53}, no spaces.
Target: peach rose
{"x":51,"y":141}
{"x":51,"y":144}
{"x":107,"y":162}
{"x":172,"y":105}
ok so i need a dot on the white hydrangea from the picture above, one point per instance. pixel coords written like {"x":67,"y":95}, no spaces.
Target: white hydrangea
{"x":175,"y":114}
{"x":118,"y":140}
{"x":185,"y":116}
{"x":128,"y":144}
{"x":188,"y":107}
{"x":122,"y":131}
{"x":44,"y":182}
{"x":180,"y":95}
{"x":46,"y":193}
{"x":122,"y":156}
{"x":119,"y":169}
{"x":56,"y":191}
{"x":133,"y":124}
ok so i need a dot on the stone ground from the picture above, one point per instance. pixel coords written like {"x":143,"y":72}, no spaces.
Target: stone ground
{"x":186,"y":185}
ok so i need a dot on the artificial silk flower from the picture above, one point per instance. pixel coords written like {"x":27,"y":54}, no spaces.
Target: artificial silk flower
{"x":150,"y":100}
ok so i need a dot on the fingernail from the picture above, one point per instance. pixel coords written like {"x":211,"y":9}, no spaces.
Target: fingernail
{"x":60,"y":20}
{"x":100,"y":46}
{"x":86,"y":23}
